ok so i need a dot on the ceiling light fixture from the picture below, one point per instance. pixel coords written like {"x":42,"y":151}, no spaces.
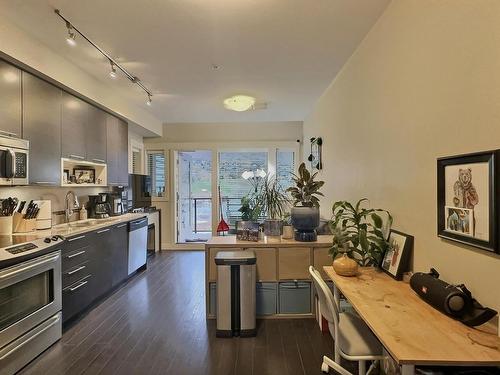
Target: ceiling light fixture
{"x":72,"y":30}
{"x":70,"y":39}
{"x":149,"y":101}
{"x":239,"y":103}
{"x":112,"y":72}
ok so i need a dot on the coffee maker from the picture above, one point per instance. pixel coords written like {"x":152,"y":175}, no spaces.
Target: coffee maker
{"x":99,"y":207}
{"x":115,"y":203}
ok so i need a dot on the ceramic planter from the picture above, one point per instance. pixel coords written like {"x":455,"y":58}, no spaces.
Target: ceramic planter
{"x":272,"y":227}
{"x":345,"y":266}
{"x":305,"y":220}
{"x":288,"y":232}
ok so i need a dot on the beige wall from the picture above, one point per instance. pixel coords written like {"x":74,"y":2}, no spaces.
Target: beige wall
{"x":214,"y":136}
{"x":424,"y":83}
{"x":16,"y":43}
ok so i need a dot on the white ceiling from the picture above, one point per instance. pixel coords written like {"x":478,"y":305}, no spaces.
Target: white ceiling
{"x":283,"y":52}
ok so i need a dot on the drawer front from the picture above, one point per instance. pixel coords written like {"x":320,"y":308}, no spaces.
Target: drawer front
{"x":71,"y":259}
{"x":266,"y":264}
{"x":266,"y":298}
{"x":212,"y":268}
{"x":76,"y":297}
{"x":294,"y":263}
{"x":321,"y":259}
{"x":77,"y":242}
{"x":76,"y":273}
{"x":295,"y":297}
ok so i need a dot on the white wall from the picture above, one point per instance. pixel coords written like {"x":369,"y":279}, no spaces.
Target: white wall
{"x":17,"y":44}
{"x":423,"y":84}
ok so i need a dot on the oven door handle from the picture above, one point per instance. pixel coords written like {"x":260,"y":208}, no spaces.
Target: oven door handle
{"x":48,"y":324}
{"x":24,"y":268}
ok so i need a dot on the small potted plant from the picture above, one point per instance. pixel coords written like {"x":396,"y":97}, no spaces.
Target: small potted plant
{"x":250,"y":213}
{"x":272,"y":200}
{"x":359,"y":236}
{"x":288,"y":231}
{"x":305,"y":210}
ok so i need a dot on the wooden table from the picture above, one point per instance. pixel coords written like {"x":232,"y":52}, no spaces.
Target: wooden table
{"x":412,"y":331}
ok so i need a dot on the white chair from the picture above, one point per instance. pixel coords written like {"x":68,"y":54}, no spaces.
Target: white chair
{"x":353,"y":340}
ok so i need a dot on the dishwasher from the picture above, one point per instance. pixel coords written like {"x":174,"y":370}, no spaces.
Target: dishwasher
{"x":137,"y":244}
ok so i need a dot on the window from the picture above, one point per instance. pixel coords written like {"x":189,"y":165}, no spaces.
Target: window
{"x":158,"y":172}
{"x":285,"y":166}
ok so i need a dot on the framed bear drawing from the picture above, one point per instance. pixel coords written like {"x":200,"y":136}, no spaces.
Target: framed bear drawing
{"x":467,"y":206}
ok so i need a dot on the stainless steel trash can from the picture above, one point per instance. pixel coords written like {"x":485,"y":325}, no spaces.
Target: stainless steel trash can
{"x":235,"y":293}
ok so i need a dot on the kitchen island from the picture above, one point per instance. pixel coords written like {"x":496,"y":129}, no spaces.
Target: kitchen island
{"x":284,"y":287}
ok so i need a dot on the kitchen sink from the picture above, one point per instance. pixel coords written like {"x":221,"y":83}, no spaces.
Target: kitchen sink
{"x":86,"y":223}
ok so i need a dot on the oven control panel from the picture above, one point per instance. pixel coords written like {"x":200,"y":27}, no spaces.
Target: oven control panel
{"x":21,"y":248}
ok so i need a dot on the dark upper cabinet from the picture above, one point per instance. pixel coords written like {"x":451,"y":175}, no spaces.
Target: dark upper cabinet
{"x":117,"y":151}
{"x":74,"y":124}
{"x":42,"y":127}
{"x":10,"y":99}
{"x":96,"y":135}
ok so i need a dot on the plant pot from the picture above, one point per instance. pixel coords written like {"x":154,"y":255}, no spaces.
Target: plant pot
{"x":272,"y":227}
{"x":305,"y":220}
{"x":288,"y":232}
{"x":345,"y":266}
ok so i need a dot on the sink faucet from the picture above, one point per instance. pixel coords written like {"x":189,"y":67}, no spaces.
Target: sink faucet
{"x":70,"y":205}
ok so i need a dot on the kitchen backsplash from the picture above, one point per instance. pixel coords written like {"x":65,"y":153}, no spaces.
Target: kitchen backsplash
{"x":55,"y":194}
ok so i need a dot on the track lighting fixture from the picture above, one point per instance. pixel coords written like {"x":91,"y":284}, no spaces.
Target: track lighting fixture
{"x":70,"y":39}
{"x":149,"y":101}
{"x":112,"y":72}
{"x":72,"y":31}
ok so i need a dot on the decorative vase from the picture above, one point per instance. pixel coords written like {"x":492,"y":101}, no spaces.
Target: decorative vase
{"x":345,"y":266}
{"x":272,"y":227}
{"x":305,"y":220}
{"x":288,"y":232}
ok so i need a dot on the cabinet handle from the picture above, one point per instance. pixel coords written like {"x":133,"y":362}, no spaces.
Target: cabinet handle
{"x":76,"y":254}
{"x":121,"y":225}
{"x":76,"y":270}
{"x":77,"y":157}
{"x":78,"y":286}
{"x":44,"y":183}
{"x":139,"y":221}
{"x":99,"y":160}
{"x":103,"y":231}
{"x":76,"y":238}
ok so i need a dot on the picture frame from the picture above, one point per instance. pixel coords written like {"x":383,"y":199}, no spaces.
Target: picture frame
{"x":467,"y":205}
{"x":315,"y":157}
{"x":247,"y":231}
{"x":396,"y":259}
{"x":66,"y":179}
{"x":84,"y":175}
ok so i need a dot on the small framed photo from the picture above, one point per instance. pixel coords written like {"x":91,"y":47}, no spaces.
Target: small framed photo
{"x":247,"y":231}
{"x":66,"y":176}
{"x":396,"y":259}
{"x":84,"y":175}
{"x":467,"y":199}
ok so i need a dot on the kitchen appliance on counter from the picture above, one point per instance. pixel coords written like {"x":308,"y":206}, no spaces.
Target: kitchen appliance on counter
{"x":115,"y":203}
{"x":31,"y":294}
{"x":137,"y":244}
{"x":14,"y":155}
{"x":98,"y":206}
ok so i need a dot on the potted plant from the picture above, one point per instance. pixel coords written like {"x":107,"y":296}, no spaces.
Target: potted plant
{"x":305,"y":210}
{"x":359,"y":234}
{"x":250,"y":212}
{"x":273,"y":201}
{"x":288,"y":232}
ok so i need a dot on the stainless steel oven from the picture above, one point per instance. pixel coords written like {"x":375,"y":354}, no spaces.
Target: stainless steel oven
{"x":14,"y":158}
{"x":30,"y":310}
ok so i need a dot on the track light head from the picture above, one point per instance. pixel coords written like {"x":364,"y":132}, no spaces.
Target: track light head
{"x":149,"y":102}
{"x":112,"y":72}
{"x":70,"y":39}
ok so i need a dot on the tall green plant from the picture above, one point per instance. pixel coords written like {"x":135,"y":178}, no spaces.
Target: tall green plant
{"x":359,"y":232}
{"x":306,"y":191}
{"x":271,"y":199}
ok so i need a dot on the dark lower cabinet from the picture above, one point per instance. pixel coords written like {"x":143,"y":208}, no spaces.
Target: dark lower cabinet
{"x":92,"y":264}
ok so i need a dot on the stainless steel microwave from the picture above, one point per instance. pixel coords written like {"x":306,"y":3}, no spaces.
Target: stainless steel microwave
{"x":14,"y":156}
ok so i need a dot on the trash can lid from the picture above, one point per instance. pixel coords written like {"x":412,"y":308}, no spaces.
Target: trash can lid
{"x":235,"y":257}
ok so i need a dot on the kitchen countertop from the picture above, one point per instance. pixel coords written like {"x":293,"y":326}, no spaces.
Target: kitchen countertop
{"x":231,"y":241}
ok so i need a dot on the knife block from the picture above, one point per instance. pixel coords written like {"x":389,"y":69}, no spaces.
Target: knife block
{"x":6,"y":225}
{"x":22,"y":225}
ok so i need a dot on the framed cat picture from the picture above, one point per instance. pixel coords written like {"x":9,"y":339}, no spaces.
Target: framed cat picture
{"x":467,"y":204}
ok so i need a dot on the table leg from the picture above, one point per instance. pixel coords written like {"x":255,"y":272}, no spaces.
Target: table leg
{"x":407,"y":370}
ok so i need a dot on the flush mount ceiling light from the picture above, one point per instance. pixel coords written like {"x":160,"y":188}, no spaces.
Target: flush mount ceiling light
{"x":239,"y":103}
{"x":72,"y":31}
{"x":149,"y":102}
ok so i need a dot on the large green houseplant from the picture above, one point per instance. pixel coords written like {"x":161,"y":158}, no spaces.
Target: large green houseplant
{"x":359,"y":233}
{"x":274,"y":202}
{"x":305,"y":210}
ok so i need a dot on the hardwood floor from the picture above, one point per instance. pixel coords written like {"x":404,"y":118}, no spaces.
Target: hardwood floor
{"x":155,"y":324}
